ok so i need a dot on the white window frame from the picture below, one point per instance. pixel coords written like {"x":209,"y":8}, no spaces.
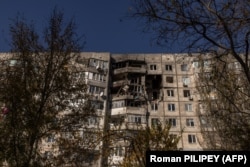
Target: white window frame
{"x":172,"y":122}
{"x":118,"y":151}
{"x":154,"y":121}
{"x":168,"y":67}
{"x":153,"y":67}
{"x":190,"y":122}
{"x":154,"y":106}
{"x":171,"y":107}
{"x":170,"y":93}
{"x":136,"y":119}
{"x":186,"y":80}
{"x":191,"y":139}
{"x":188,"y":107}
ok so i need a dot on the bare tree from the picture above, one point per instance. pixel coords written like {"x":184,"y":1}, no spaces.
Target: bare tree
{"x":225,"y":104}
{"x":218,"y":28}
{"x":43,"y":96}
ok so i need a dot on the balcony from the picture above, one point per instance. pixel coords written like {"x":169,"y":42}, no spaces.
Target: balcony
{"x":130,"y":70}
{"x":122,"y":97}
{"x":128,"y":110}
{"x":97,"y":83}
{"x":128,"y":126}
{"x":119,"y":83}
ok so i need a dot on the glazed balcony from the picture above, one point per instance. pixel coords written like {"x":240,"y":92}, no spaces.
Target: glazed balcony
{"x":128,"y":110}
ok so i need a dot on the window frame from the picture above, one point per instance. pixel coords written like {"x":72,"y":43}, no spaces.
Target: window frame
{"x":188,"y":107}
{"x":184,"y":67}
{"x":170,"y":92}
{"x":186,"y":93}
{"x":186,"y":81}
{"x":154,"y":106}
{"x":191,"y":139}
{"x":172,"y":122}
{"x":168,"y":67}
{"x":190,"y":122}
{"x":171,"y":107}
{"x":169,"y":79}
{"x":153,"y":67}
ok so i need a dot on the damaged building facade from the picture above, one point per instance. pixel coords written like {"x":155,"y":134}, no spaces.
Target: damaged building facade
{"x":141,"y":89}
{"x":147,"y":88}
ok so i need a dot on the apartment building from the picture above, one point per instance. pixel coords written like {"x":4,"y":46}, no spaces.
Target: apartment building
{"x":128,"y":90}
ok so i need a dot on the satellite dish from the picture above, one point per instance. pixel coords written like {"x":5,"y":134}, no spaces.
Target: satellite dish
{"x":101,"y":94}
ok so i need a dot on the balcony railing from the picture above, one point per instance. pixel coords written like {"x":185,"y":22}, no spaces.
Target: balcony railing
{"x":128,"y":110}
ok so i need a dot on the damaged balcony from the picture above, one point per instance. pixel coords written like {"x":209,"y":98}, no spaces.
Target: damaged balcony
{"x":124,"y":79}
{"x":128,"y":110}
{"x":132,"y":66}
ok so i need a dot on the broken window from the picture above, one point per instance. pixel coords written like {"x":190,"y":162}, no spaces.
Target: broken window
{"x":152,"y":67}
{"x":135,"y":80}
{"x":186,"y":93}
{"x":155,"y":95}
{"x":169,"y":79}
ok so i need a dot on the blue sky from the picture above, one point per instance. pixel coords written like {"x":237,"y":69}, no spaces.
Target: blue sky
{"x":103,"y":22}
